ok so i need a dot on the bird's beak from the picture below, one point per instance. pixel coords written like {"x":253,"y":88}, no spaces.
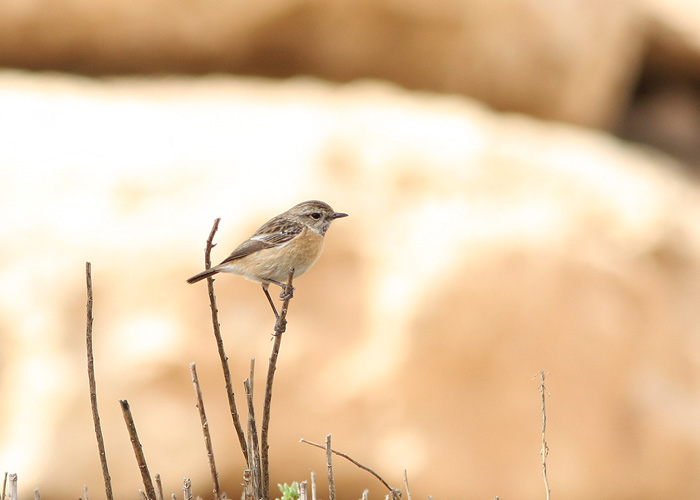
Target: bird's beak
{"x":338,"y":215}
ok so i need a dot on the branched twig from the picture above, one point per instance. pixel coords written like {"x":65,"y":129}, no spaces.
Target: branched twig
{"x":545,"y":448}
{"x":93,"y":387}
{"x":329,"y":464}
{"x":280,"y":328}
{"x":138,"y":450}
{"x":394,"y":492}
{"x":220,"y":346}
{"x":205,"y":430}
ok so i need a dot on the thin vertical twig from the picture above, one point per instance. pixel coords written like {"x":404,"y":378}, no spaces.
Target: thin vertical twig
{"x":220,"y":346}
{"x":545,"y":447}
{"x":36,"y":494}
{"x":254,"y":447}
{"x":13,"y":486}
{"x":280,"y":328}
{"x":187,"y":489}
{"x":85,"y":492}
{"x":93,"y":386}
{"x":329,"y":465}
{"x":138,"y":450}
{"x":303,"y":494}
{"x":4,"y":486}
{"x":205,"y":431}
{"x":405,"y":482}
{"x":159,"y":488}
{"x":248,"y":491}
{"x":313,"y":485}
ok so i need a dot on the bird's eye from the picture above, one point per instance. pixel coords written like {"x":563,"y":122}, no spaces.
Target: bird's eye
{"x":316,"y":215}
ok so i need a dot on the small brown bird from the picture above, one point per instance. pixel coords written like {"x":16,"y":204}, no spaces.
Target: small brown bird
{"x":293,"y":239}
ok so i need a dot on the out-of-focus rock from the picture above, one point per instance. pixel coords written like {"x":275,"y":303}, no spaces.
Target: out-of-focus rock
{"x":674,"y":35}
{"x":480,"y":248}
{"x":569,"y":60}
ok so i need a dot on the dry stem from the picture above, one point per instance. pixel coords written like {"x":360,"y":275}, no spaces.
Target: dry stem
{"x":405,"y":482}
{"x":545,"y":448}
{"x":280,"y":328}
{"x":159,"y":488}
{"x":248,"y":491}
{"x":13,"y":486}
{"x":93,"y":387}
{"x":4,"y":486}
{"x":187,"y":489}
{"x":329,"y":464}
{"x":394,"y":492}
{"x":220,"y":346}
{"x":138,"y":450}
{"x":313,"y":485}
{"x":254,"y":447}
{"x":205,"y":431}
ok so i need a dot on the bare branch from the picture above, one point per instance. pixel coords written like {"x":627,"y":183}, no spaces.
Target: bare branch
{"x":13,"y":486}
{"x":313,"y":485}
{"x":205,"y":431}
{"x":138,"y":450}
{"x":355,"y":462}
{"x":248,"y":491}
{"x":187,"y":489}
{"x":329,"y":464}
{"x":93,"y":387}
{"x":405,"y":482}
{"x":159,"y":488}
{"x":280,"y":328}
{"x":254,"y":447}
{"x":220,"y":346}
{"x":545,"y":448}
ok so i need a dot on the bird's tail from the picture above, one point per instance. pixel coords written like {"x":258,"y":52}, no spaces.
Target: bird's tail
{"x":202,"y":275}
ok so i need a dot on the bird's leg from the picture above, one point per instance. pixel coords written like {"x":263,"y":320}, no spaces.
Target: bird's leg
{"x":287,"y":291}
{"x":269,"y":299}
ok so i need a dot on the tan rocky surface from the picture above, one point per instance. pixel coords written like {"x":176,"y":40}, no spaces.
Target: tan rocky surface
{"x":569,"y":60}
{"x":480,"y":248}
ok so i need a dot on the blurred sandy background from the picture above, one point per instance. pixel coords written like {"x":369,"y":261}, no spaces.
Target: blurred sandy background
{"x":521,"y":182}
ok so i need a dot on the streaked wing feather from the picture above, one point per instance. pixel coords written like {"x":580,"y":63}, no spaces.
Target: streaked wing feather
{"x":274,"y":232}
{"x":246,"y":248}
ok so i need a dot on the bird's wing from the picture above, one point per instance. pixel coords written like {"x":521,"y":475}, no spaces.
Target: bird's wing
{"x":273,"y":233}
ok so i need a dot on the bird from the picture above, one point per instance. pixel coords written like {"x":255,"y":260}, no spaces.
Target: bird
{"x":290,"y":240}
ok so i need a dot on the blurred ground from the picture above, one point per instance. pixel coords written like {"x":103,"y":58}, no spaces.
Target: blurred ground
{"x":482,"y":245}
